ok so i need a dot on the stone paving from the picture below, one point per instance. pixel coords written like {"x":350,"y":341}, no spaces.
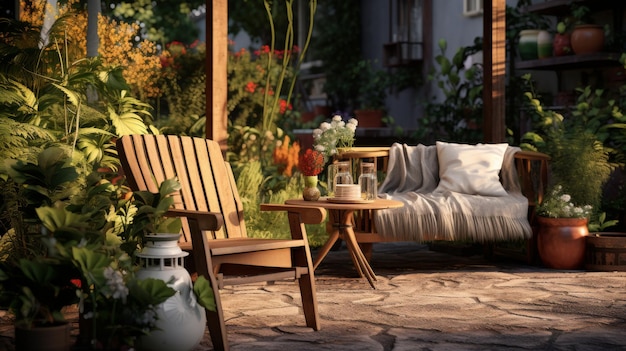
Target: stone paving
{"x":427,"y":300}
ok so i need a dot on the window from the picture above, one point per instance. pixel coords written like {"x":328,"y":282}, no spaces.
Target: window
{"x":472,"y":8}
{"x":407,"y":39}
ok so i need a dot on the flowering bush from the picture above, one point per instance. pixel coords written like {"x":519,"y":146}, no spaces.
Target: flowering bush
{"x":285,"y":156}
{"x":181,"y":97}
{"x":329,"y":136}
{"x":311,"y":162}
{"x":247,"y":86}
{"x":560,"y":205}
{"x":254,"y":117}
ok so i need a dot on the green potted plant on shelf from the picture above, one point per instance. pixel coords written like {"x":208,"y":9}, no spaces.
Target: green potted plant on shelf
{"x":586,"y":36}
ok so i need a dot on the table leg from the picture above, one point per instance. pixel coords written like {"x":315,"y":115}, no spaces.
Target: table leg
{"x":364,"y":266}
{"x":359,"y":260}
{"x":326,"y":248}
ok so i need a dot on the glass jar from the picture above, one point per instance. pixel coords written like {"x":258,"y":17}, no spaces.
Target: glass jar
{"x":343,"y":175}
{"x":368,"y":182}
{"x":330,"y":179}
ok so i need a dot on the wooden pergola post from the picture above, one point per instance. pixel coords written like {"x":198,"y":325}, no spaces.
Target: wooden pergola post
{"x":216,"y":71}
{"x":494,"y":70}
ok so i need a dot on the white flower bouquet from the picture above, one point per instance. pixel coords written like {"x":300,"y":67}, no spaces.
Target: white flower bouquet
{"x":559,"y":205}
{"x":336,"y":134}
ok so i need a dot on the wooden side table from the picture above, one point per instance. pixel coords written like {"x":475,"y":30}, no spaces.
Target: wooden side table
{"x":341,"y":226}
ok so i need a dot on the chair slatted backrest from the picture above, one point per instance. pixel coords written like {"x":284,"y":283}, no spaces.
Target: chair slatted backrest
{"x":207,"y":181}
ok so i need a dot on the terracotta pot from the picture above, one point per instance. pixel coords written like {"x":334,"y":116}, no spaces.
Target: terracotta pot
{"x":561,"y":242}
{"x":307,"y":116}
{"x":587,"y":38}
{"x":322,"y":110}
{"x":369,"y":118}
{"x":45,"y":338}
{"x":562,"y":45}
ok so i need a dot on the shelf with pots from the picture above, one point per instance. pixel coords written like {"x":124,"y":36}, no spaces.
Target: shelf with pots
{"x":580,"y":61}
{"x":572,"y":17}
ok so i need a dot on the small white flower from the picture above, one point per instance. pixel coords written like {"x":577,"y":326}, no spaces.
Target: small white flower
{"x":325,"y":126}
{"x":116,"y":284}
{"x":565,"y":198}
{"x":337,"y":118}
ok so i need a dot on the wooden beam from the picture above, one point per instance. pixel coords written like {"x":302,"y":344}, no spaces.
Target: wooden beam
{"x":494,"y":63}
{"x":216,"y":71}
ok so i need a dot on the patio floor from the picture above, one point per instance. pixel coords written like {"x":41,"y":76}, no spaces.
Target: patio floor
{"x":427,"y":300}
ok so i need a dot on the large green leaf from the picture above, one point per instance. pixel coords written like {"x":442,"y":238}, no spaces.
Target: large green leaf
{"x":151,"y":291}
{"x":127,"y":123}
{"x":55,"y":218}
{"x":72,"y":96}
{"x":204,"y":293}
{"x":39,"y":272}
{"x":91,"y":263}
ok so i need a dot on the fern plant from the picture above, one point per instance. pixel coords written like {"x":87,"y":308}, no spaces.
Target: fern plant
{"x":53,"y":94}
{"x":584,"y":146}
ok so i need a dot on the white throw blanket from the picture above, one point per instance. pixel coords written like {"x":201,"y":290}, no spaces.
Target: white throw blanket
{"x":413,"y":175}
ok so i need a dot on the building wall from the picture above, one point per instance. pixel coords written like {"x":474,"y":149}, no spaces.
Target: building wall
{"x":448,"y":22}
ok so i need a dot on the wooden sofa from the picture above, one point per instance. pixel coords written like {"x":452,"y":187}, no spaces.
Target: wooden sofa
{"x":532,"y":173}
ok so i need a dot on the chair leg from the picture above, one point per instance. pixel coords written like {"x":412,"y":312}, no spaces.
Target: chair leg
{"x":309,"y":301}
{"x":215,"y":320}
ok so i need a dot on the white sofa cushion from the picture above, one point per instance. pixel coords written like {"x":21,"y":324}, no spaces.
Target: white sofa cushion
{"x":470,"y":169}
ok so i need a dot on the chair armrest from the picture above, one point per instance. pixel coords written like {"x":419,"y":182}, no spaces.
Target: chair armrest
{"x":532,"y":155}
{"x":206,"y":220}
{"x":308,"y":214}
{"x":532,"y":169}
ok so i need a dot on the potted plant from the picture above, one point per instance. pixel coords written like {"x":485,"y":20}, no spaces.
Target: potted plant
{"x":86,"y":232}
{"x":372,"y":94}
{"x":561,"y":44}
{"x":35,"y":286}
{"x":584,"y":145}
{"x":523,"y":28}
{"x":586,"y":37}
{"x":561,"y":240}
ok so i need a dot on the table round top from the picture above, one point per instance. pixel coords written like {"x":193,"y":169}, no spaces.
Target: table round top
{"x":378,"y":204}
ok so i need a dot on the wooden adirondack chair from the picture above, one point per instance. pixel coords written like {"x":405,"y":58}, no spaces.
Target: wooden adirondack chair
{"x":213,"y":224}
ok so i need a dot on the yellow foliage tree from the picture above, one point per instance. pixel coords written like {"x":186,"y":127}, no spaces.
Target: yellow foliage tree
{"x":117,"y":44}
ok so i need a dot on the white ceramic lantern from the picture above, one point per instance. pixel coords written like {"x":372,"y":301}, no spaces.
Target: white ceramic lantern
{"x":181,"y":320}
